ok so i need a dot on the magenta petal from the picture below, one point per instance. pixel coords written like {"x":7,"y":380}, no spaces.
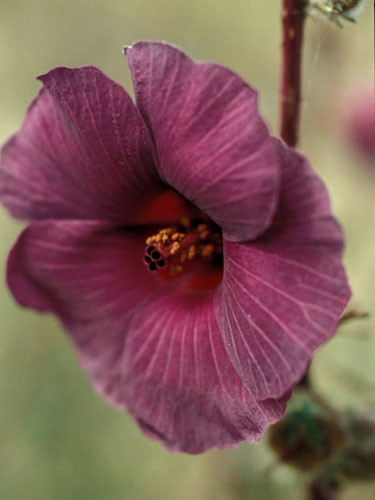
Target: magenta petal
{"x":283,"y":295}
{"x":92,"y":277}
{"x":179,"y":382}
{"x":212,"y":145}
{"x":83,"y":152}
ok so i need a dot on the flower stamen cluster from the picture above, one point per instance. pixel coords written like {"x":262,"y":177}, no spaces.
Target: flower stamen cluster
{"x":174,"y":246}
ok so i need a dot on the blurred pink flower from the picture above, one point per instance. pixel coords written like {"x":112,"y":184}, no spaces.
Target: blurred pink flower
{"x":360,"y":122}
{"x":192,"y":257}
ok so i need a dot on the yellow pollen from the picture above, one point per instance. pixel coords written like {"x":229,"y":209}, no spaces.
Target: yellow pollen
{"x":176,"y":248}
{"x":177,"y":236}
{"x":207,"y":250}
{"x":192,"y":251}
{"x":203,"y":231}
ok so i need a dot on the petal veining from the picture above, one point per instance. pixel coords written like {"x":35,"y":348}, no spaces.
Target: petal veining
{"x":179,"y":381}
{"x":212,"y":145}
{"x":83,"y":152}
{"x":91,"y":275}
{"x":283,"y":295}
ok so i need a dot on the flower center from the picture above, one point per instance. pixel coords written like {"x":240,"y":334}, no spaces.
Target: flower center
{"x":192,"y":240}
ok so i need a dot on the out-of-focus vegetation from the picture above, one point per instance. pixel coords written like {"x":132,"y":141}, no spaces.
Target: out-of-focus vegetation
{"x":58,"y":439}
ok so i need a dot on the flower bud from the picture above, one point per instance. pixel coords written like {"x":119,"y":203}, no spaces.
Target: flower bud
{"x":358,"y":458}
{"x":359,"y":121}
{"x":308,"y":434}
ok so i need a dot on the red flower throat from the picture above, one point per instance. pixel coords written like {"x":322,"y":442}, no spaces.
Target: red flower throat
{"x":194,"y":243}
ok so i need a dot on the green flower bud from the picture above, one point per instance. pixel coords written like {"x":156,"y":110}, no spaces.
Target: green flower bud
{"x":308,"y":434}
{"x":357,"y":461}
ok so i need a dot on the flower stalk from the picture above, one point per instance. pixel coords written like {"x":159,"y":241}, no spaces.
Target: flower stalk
{"x":293,"y":20}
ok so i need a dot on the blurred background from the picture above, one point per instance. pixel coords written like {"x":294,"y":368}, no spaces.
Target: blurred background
{"x":58,"y":439}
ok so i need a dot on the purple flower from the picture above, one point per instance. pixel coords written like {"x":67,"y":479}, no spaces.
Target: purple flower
{"x":192,"y":257}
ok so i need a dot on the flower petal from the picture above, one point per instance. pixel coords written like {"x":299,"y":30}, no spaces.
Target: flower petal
{"x":212,"y":145}
{"x":92,"y":276}
{"x":179,"y":382}
{"x":83,"y":152}
{"x":283,"y":295}
{"x":155,"y":350}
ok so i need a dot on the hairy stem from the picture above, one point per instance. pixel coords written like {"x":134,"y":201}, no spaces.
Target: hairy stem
{"x":293,"y":20}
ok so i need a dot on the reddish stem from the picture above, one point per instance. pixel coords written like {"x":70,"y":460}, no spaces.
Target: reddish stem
{"x":293,"y":19}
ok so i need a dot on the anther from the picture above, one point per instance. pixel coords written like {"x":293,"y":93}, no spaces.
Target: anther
{"x":191,"y":252}
{"x":172,"y":247}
